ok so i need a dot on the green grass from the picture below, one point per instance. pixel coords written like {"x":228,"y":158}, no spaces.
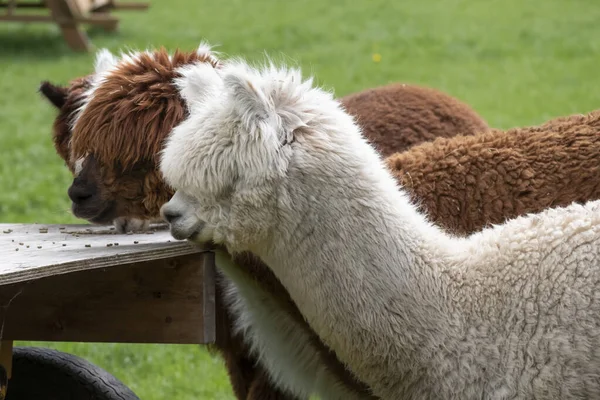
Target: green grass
{"x":515,"y":62}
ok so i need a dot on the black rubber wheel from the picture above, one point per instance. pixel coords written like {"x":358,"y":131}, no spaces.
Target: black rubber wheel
{"x":45,"y":374}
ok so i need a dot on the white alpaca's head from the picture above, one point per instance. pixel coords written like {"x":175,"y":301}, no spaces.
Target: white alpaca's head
{"x":246,"y":129}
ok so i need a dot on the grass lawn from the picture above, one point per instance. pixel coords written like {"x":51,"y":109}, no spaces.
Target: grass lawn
{"x":515,"y":62}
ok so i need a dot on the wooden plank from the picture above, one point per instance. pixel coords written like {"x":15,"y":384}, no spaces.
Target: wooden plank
{"x":26,"y":18}
{"x":112,"y":5}
{"x":20,"y":4}
{"x":161,"y":301}
{"x":47,"y":18}
{"x":96,"y":4}
{"x":120,"y":5}
{"x":93,"y":19}
{"x":105,"y":20}
{"x":85,"y":6}
{"x":33,"y":251}
{"x":92,"y":5}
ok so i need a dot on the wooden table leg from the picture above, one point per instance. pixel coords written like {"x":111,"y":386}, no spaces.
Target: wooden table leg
{"x":210,"y":297}
{"x":75,"y":37}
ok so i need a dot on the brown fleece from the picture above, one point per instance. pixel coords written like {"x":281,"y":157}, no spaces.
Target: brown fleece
{"x":466,"y":183}
{"x":400,"y":116}
{"x":130,"y":115}
{"x":136,"y":101}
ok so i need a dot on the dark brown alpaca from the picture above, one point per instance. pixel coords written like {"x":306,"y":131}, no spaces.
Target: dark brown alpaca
{"x":466,"y":183}
{"x":122,"y":129}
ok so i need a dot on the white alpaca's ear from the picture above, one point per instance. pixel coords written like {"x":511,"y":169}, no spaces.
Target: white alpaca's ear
{"x":291,"y":123}
{"x":259,"y":95}
{"x":197,"y":82}
{"x":105,"y":60}
{"x":244,"y":88}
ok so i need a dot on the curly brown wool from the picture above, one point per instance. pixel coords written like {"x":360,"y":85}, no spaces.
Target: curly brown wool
{"x":466,"y":183}
{"x":400,"y":116}
{"x":128,"y":118}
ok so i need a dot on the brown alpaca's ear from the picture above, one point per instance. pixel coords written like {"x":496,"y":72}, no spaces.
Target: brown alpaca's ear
{"x":55,"y":94}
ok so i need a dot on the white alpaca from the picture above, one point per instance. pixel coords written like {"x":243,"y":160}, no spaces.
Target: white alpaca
{"x":269,"y":164}
{"x":283,"y":345}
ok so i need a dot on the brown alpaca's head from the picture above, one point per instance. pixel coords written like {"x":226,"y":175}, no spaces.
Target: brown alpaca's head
{"x":111,"y":127}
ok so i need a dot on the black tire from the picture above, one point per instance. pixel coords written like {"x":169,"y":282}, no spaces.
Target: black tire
{"x":45,"y":374}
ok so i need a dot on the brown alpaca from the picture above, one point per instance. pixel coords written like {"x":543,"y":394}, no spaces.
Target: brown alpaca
{"x":123,"y":127}
{"x":466,"y":183}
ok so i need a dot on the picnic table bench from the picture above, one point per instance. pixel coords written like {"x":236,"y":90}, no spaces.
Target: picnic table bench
{"x":86,"y":283}
{"x":69,"y":15}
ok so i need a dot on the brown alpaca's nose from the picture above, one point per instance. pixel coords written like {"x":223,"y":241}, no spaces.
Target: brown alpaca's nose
{"x":80,"y":194}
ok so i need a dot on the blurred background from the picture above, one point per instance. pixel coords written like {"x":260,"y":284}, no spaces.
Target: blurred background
{"x":516,"y":63}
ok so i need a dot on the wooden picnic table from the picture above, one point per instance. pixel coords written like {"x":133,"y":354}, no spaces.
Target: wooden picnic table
{"x":69,"y":15}
{"x":87,"y":283}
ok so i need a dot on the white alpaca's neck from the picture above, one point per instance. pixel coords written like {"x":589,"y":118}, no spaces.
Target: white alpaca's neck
{"x":358,"y":258}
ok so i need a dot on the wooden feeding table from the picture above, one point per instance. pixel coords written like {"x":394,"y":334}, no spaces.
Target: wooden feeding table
{"x":87,"y":283}
{"x":69,"y":15}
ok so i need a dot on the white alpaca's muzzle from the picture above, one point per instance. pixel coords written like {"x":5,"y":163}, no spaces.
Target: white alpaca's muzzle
{"x":180,"y":213}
